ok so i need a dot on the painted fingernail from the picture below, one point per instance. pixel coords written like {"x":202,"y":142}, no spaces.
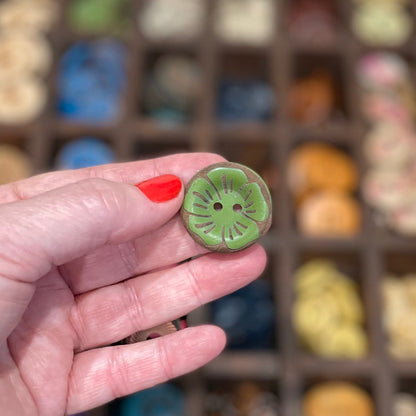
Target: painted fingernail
{"x":162,"y":188}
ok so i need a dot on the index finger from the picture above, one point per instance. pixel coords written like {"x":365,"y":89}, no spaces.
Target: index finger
{"x":182,"y":165}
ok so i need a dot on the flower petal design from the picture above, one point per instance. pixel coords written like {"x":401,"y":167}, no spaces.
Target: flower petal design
{"x":227,"y":180}
{"x":200,"y":198}
{"x":226,"y":207}
{"x":209,"y":231}
{"x":243,"y":232}
{"x":255,"y":207}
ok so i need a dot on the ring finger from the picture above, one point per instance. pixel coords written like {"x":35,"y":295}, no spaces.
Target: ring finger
{"x":166,"y":246}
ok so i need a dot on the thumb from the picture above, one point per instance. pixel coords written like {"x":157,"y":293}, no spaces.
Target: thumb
{"x":66,"y":223}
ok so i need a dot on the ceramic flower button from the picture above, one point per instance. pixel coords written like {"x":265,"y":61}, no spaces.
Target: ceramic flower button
{"x":227,"y":207}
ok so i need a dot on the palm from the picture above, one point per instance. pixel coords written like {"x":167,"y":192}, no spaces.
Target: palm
{"x":42,"y":349}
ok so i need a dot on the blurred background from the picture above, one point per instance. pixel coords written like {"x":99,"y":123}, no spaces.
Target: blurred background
{"x":318,"y":96}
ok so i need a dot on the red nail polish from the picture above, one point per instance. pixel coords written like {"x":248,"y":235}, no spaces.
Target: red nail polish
{"x":162,"y":188}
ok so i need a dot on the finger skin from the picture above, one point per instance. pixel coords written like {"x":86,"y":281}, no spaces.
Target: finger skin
{"x":63,"y":224}
{"x":114,"y":263}
{"x":103,"y":374}
{"x":110,"y":314}
{"x":182,"y":165}
{"x":42,"y":347}
{"x":109,"y":264}
{"x":9,"y":388}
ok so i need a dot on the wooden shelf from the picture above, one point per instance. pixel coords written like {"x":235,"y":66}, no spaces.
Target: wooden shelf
{"x":313,"y":367}
{"x":244,"y":365}
{"x":288,"y":368}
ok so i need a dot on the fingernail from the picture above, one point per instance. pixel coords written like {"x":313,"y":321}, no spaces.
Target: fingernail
{"x":162,"y":188}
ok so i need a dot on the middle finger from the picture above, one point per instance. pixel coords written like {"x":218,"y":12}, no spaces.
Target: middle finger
{"x":109,"y":314}
{"x":110,"y":264}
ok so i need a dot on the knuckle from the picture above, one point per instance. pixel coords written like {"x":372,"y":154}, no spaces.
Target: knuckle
{"x":128,"y":254}
{"x":95,"y":186}
{"x":193,"y":280}
{"x":164,"y":359}
{"x":100,"y":194}
{"x":117,"y":373}
{"x":134,"y":306}
{"x":78,"y":326}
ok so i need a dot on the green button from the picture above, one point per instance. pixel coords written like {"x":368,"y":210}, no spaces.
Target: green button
{"x":227,"y":207}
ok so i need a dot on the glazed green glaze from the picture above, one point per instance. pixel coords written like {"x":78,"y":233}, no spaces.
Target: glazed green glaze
{"x":225,"y":207}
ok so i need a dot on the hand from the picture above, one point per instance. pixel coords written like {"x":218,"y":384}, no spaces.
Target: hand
{"x":87,"y":259}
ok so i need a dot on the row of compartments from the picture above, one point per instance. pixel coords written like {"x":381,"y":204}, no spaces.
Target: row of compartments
{"x":320,"y":22}
{"x":244,"y":90}
{"x":226,"y":397}
{"x":167,"y":87}
{"x":320,"y":92}
{"x":307,"y":211}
